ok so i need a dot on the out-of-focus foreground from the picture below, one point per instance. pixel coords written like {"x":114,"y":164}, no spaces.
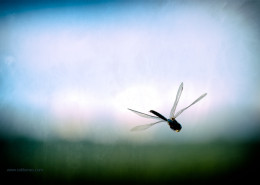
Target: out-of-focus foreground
{"x":31,"y":161}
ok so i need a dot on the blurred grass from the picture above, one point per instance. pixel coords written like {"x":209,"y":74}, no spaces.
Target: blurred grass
{"x":76,"y":162}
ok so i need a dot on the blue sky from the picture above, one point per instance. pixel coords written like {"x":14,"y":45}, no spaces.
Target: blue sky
{"x":70,"y":70}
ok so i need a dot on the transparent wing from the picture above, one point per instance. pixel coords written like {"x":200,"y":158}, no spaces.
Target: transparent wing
{"x":144,"y":127}
{"x":144,"y":115}
{"x":178,"y":95}
{"x":178,"y":113}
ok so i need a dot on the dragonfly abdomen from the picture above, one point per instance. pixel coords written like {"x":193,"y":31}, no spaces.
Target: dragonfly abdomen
{"x":158,"y":114}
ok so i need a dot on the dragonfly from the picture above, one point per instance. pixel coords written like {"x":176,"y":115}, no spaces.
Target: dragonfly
{"x":172,"y":122}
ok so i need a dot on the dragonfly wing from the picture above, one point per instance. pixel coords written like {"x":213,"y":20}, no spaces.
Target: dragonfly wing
{"x":144,"y":127}
{"x":178,"y":95}
{"x":144,"y":115}
{"x":178,"y":113}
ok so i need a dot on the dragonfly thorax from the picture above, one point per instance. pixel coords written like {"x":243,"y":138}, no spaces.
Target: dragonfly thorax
{"x":174,"y":125}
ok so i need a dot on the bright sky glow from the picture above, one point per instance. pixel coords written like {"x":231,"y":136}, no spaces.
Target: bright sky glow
{"x":86,"y":65}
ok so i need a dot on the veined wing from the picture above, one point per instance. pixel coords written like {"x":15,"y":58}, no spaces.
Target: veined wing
{"x":144,"y":127}
{"x":144,"y":115}
{"x":178,"y":113}
{"x":178,"y":95}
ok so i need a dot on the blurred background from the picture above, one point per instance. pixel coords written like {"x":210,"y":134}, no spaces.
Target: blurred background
{"x":70,"y":69}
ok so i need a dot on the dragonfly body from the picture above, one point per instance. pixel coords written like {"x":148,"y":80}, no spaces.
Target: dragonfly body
{"x":174,"y":125}
{"x":171,"y":122}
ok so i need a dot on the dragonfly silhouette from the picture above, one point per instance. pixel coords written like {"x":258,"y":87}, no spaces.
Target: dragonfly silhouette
{"x":172,"y":120}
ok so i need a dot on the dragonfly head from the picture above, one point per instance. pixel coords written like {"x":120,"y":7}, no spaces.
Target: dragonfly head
{"x":177,"y":128}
